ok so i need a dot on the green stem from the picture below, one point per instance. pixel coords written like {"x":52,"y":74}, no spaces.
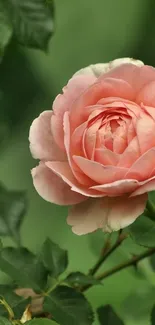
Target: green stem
{"x":16,"y":322}
{"x":7,"y":307}
{"x":54,"y":285}
{"x":107,"y":253}
{"x":132,"y":262}
{"x":107,"y":245}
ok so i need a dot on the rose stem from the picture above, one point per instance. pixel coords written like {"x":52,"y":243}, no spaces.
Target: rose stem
{"x":132,"y":262}
{"x":107,"y":245}
{"x":106,"y":253}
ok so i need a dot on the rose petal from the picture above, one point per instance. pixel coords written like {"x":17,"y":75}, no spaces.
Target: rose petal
{"x":120,"y":139}
{"x":52,"y":188}
{"x":145,"y":132}
{"x":109,"y":87}
{"x":42,"y":143}
{"x":99,"y":173}
{"x":77,"y":146}
{"x":142,"y":167}
{"x":147,"y":94}
{"x":104,"y":137}
{"x":131,"y":132}
{"x":130,"y":155}
{"x":118,"y":62}
{"x":136,"y":76}
{"x":62,"y":103}
{"x":106,"y":157}
{"x":152,"y":173}
{"x":147,"y":186}
{"x":94,"y":70}
{"x":82,"y":179}
{"x":118,"y":187}
{"x":150,"y":110}
{"x":110,"y":214}
{"x":90,"y":138}
{"x":119,"y":107}
{"x":101,"y":68}
{"x":62,"y":169}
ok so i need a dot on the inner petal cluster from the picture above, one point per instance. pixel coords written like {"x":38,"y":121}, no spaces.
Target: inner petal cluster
{"x":105,"y":135}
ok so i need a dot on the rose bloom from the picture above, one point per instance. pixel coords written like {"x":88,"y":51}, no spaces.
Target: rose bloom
{"x":97,"y":146}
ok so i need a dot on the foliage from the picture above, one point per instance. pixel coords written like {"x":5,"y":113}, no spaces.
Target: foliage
{"x":153,"y":316}
{"x":41,"y":321}
{"x":13,"y":205}
{"x":30,"y":22}
{"x":68,"y":306}
{"x":143,"y":231}
{"x":54,"y":258}
{"x":79,"y":279}
{"x":107,"y":316}
{"x":42,"y":274}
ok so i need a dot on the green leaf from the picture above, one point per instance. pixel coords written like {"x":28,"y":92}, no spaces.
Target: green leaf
{"x":5,"y":29}
{"x":4,"y":321}
{"x":23,"y":267}
{"x":142,"y":231}
{"x":32,"y":21}
{"x":107,"y":316}
{"x":138,"y":305}
{"x":68,"y":307}
{"x":152,"y":261}
{"x":1,"y":244}
{"x":6,"y":293}
{"x":78,"y":278}
{"x":12,"y":209}
{"x":21,"y":307}
{"x":54,"y":258}
{"x":40,"y":321}
{"x":153,"y":316}
{"x":17,"y":304}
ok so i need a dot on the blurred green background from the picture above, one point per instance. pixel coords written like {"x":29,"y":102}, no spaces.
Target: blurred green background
{"x":86,"y":32}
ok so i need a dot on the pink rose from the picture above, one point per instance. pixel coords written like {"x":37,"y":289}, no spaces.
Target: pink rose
{"x":97,"y":146}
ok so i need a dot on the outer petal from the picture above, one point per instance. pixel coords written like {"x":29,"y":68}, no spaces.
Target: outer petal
{"x":42,"y":143}
{"x":110,"y":214}
{"x":136,"y":76}
{"x":62,"y":169}
{"x":63,"y":103}
{"x":101,"y":68}
{"x":94,"y":70}
{"x":52,"y":188}
{"x":148,"y":186}
{"x":147,"y":94}
{"x":99,"y":173}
